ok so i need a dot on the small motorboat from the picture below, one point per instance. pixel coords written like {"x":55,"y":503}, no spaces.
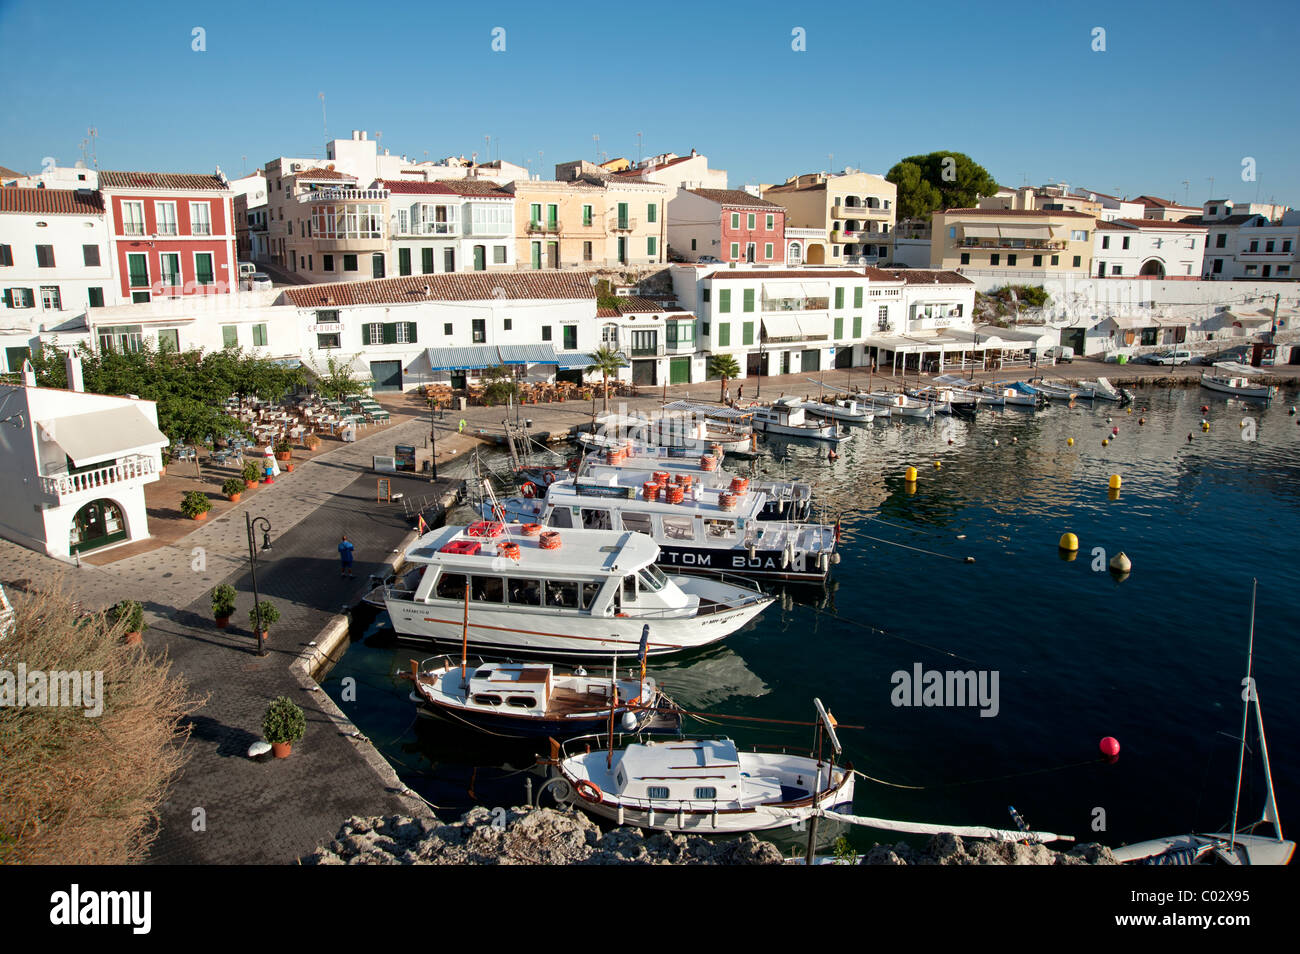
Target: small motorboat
{"x":786,"y":417}
{"x":842,"y":410}
{"x":1231,"y":378}
{"x":900,"y":405}
{"x":1103,"y":390}
{"x":1061,"y":392}
{"x":1006,"y":396}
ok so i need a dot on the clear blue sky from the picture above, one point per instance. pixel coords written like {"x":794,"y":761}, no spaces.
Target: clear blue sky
{"x":1184,"y":91}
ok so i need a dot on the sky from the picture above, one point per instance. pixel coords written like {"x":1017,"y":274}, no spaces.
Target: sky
{"x":1187,"y":101}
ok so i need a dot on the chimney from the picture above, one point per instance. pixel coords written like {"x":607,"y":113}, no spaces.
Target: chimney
{"x":29,"y":374}
{"x":72,"y":365}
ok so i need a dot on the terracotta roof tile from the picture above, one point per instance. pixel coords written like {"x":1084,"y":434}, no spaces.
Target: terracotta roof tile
{"x":411,"y":187}
{"x":918,"y":276}
{"x":468,"y":286}
{"x":1118,"y":224}
{"x":748,"y":274}
{"x":1162,"y":203}
{"x":319,"y":173}
{"x":177,"y":181}
{"x":51,"y":201}
{"x":1017,"y":212}
{"x":475,"y":187}
{"x":7,"y":173}
{"x":735,"y":197}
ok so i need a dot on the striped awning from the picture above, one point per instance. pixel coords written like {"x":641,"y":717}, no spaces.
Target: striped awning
{"x":464,"y":358}
{"x":574,"y":359}
{"x":528,"y":354}
{"x":979,"y":231}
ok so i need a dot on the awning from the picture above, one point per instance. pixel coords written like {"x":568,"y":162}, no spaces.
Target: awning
{"x":980,"y":231}
{"x":778,"y":327}
{"x":104,"y":435}
{"x":720,"y":412}
{"x":1248,"y":318}
{"x":783,"y":290}
{"x":575,"y":359}
{"x":528,"y":354}
{"x":465,"y":358}
{"x":1026,"y":231}
{"x":1175,"y":320}
{"x":1131,"y":321}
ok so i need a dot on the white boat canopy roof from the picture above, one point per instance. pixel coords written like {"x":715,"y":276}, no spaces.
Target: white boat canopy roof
{"x":586,"y":553}
{"x":708,"y":410}
{"x":1243,"y":370}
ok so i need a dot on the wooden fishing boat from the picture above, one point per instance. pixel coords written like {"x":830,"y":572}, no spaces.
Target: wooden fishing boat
{"x":1229,"y":377}
{"x":786,"y":417}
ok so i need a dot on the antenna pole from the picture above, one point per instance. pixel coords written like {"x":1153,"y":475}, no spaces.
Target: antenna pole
{"x":1245,"y":710}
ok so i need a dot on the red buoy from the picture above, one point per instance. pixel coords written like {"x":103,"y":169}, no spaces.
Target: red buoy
{"x":1109,"y":747}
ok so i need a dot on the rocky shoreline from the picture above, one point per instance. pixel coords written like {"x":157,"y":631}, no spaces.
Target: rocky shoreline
{"x":544,"y":836}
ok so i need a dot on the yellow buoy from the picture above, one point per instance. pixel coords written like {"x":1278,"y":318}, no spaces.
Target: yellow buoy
{"x":1069,"y":442}
{"x":1105,"y":442}
{"x":1205,"y":427}
{"x":1112,"y":494}
{"x":1120,"y":562}
{"x":1069,"y":542}
{"x":937,"y":465}
{"x":1115,"y":482}
{"x":910,"y":475}
{"x":1130,"y":410}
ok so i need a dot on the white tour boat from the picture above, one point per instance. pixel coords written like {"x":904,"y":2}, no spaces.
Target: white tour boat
{"x":1228,"y":377}
{"x":566,"y":593}
{"x":698,"y":427}
{"x":900,"y":405}
{"x":786,"y":417}
{"x":842,"y":410}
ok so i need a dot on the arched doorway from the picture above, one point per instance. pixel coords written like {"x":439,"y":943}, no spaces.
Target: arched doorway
{"x":1152,"y":268}
{"x":794,"y":254}
{"x":96,"y":525}
{"x":816,"y":255}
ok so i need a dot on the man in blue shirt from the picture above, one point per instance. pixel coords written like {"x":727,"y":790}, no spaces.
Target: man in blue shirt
{"x":345,"y":556}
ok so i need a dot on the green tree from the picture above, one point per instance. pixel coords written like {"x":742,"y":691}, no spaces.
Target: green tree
{"x":605,"y":362}
{"x":336,"y":378}
{"x":939,"y":180}
{"x":723,"y":366}
{"x":498,"y":385}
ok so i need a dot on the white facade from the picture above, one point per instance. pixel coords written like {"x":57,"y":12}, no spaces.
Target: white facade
{"x":245,"y":320}
{"x":76,"y":467}
{"x":1249,"y":245}
{"x":1148,"y":248}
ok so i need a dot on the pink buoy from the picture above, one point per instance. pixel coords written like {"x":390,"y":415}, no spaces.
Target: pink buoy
{"x":1115,"y":431}
{"x":1109,"y":747}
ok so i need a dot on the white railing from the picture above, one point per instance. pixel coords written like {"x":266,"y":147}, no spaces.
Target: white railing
{"x":63,"y":485}
{"x":345,"y":195}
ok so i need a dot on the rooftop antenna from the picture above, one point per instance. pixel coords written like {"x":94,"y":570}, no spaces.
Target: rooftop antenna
{"x":1187,"y":191}
{"x":596,"y":151}
{"x":325,"y":129}
{"x":93,"y":133}
{"x":1211,"y":178}
{"x":243,"y":166}
{"x":638,"y":149}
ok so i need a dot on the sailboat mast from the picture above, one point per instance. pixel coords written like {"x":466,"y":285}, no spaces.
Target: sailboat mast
{"x":1245,"y":709}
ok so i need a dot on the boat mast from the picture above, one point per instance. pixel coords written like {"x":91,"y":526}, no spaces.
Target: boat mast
{"x":1245,"y":709}
{"x":464,"y":635}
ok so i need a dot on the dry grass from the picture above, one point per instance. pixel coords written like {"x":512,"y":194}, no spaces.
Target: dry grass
{"x":78,"y":790}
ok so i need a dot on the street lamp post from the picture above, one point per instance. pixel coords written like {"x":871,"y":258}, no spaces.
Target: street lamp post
{"x":433,"y":444}
{"x":265,"y":526}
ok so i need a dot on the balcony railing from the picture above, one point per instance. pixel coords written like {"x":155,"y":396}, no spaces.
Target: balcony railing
{"x":345,"y":195}
{"x":858,"y":236}
{"x":543,"y":228}
{"x":431,"y":228}
{"x":64,"y":485}
{"x":796,"y":304}
{"x":622,"y":225}
{"x":650,"y":351}
{"x":1014,"y":245}
{"x":860,"y":212}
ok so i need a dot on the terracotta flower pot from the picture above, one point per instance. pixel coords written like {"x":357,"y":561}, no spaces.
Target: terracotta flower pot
{"x":288,"y":468}
{"x":201,"y":516}
{"x":266,"y":635}
{"x":281,"y":750}
{"x":133,"y":639}
{"x":250,"y":484}
{"x":283,"y":455}
{"x":234,"y":498}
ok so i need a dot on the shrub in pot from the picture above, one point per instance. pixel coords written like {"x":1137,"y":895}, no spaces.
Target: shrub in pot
{"x":131,"y":615}
{"x":269,"y":615}
{"x":196,"y":505}
{"x":283,"y":451}
{"x":251,"y":473}
{"x":311,"y":442}
{"x":232,"y":487}
{"x":223,"y":604}
{"x":283,"y":725}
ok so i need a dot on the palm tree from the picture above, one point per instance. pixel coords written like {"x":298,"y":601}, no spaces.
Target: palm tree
{"x":606,"y":361}
{"x":723,"y":366}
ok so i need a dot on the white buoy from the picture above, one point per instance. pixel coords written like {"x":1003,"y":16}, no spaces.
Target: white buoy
{"x":259,"y":748}
{"x":629,"y":721}
{"x":1120,"y":563}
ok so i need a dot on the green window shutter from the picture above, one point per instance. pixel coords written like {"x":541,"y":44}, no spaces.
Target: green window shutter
{"x":96,"y":297}
{"x":552,"y":215}
{"x":839,"y":298}
{"x":652,"y":212}
{"x":9,"y":298}
{"x":857,"y":297}
{"x":857,"y":326}
{"x":839,"y":328}
{"x":747,"y":331}
{"x":229,"y":336}
{"x":724,"y":334}
{"x":749,"y":299}
{"x":390,"y":333}
{"x":259,"y":335}
{"x":365,"y":335}
{"x":426,"y":260}
{"x":650,"y":245}
{"x":724,"y":300}
{"x":403,"y":261}
{"x":410,"y":332}
{"x":203,"y":264}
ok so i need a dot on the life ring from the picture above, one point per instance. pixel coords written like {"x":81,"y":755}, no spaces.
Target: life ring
{"x":588,"y":790}
{"x":529,"y":489}
{"x":549,"y":478}
{"x":531,"y":529}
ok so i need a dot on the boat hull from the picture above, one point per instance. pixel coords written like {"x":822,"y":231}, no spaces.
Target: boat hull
{"x":1260,"y":393}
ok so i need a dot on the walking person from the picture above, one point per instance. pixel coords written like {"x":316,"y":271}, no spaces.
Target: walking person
{"x":345,"y":556}
{"x":726,"y":395}
{"x":740,"y":394}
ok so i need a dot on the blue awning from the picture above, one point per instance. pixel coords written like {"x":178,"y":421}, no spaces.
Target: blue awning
{"x":575,"y":360}
{"x":466,"y":358}
{"x":528,"y":354}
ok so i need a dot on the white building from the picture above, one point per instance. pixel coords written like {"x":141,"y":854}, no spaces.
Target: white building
{"x":457,"y":225}
{"x":1245,"y":243}
{"x":75,"y":467}
{"x":1112,"y":207}
{"x":246,"y":320}
{"x":1147,"y":248}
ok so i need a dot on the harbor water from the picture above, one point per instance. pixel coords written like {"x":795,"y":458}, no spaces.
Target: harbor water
{"x":961,"y":572}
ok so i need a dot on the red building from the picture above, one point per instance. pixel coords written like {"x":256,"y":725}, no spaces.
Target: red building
{"x":728,"y":225}
{"x":173,"y":234}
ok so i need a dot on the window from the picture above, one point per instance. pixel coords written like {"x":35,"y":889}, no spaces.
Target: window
{"x":1220,"y":240}
{"x":586,"y":215}
{"x":693,"y":245}
{"x":1079,"y":235}
{"x":259,"y":335}
{"x":965,"y":258}
{"x":724,"y":334}
{"x":1078,"y":260}
{"x":534,"y":215}
{"x":448,"y":259}
{"x":535,"y":254}
{"x":508,"y":324}
{"x":724,"y":300}
{"x":657,"y":791}
{"x":123,"y":339}
{"x":1105,"y":241}
{"x":771,"y":221}
{"x":706,"y":792}
{"x":203,"y":273}
{"x":750,"y":218}
{"x":45,"y":256}
{"x":50,"y":297}
{"x":1038,"y":261}
{"x":1117,"y":269}
{"x":402,"y":218}
{"x":1218,"y":267}
{"x":995,"y":259}
{"x":735,"y":220}
{"x":1268,"y":246}
{"x":426,"y":261}
{"x":1254,"y":246}
{"x":451,"y":586}
{"x":546,"y":332}
{"x":748,"y":303}
{"x":327,"y":263}
{"x":90,"y":254}
{"x":169,"y":339}
{"x":525,"y":592}
{"x":1125,"y":242}
{"x":563,"y":594}
{"x":170,"y":269}
{"x":479,"y":330}
{"x":200,"y":218}
{"x":746,"y":333}
{"x":637,"y":523}
{"x":767,"y":250}
{"x":137,"y":266}
{"x":95,"y":297}
{"x":839,"y":298}
{"x":165,"y":213}
{"x":19,"y":298}
{"x":857,"y":325}
{"x":6,"y":255}
{"x":133,"y":218}
{"x":487,"y":589}
{"x":622,"y":215}
{"x":651,"y":246}
{"x":499,"y":254}
{"x":735,"y":251}
{"x":570,"y":337}
{"x":652,"y":212}
{"x":1286,"y":245}
{"x":349,"y":263}
{"x":325,"y":342}
{"x":403,"y":261}
{"x":586,"y":251}
{"x":446,"y":327}
{"x":1056,"y":260}
{"x":1011,"y":259}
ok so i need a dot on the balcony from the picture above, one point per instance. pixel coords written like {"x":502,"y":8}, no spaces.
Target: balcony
{"x":1013,"y":245}
{"x":543,"y":228}
{"x":646,"y":351}
{"x":622,"y":225}
{"x":861,"y":212}
{"x":66,"y":485}
{"x":350,"y":244}
{"x":345,"y":195}
{"x":860,"y":236}
{"x":796,"y":304}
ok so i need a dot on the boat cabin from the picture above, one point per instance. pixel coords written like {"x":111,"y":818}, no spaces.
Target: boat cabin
{"x":512,"y":686}
{"x":680,"y":771}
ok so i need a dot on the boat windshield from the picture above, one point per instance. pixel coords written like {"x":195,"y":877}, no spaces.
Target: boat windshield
{"x":652,"y":578}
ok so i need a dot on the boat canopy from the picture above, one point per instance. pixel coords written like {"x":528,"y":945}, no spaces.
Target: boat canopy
{"x":708,"y":410}
{"x":1242,"y":370}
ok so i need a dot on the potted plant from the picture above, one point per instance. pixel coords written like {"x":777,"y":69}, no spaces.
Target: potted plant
{"x":131,"y":615}
{"x":166,"y":459}
{"x":232,"y":488}
{"x":252,"y":474}
{"x":269,"y":615}
{"x":196,"y":505}
{"x":311,"y":442}
{"x":283,"y":725}
{"x":283,"y":451}
{"x":223,"y":604}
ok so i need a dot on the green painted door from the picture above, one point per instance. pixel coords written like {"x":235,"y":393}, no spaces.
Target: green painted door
{"x":679,"y":371}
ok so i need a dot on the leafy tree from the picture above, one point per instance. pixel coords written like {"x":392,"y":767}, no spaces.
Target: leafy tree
{"x":498,"y":385}
{"x":335,"y":377}
{"x":939,"y":180}
{"x":723,"y":366}
{"x":606,"y":361}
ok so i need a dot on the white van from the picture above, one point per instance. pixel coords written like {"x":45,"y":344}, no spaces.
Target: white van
{"x":246,"y":270}
{"x":1062,"y":353}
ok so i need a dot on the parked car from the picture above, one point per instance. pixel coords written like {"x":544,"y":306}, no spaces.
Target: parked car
{"x":246,"y":269}
{"x":1173,"y":357}
{"x":1239,"y":354}
{"x":261,"y":280}
{"x":709,"y":260}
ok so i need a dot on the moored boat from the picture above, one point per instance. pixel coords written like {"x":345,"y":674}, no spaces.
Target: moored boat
{"x":842,"y":410}
{"x":786,"y":417}
{"x":1231,"y":378}
{"x":900,"y":405}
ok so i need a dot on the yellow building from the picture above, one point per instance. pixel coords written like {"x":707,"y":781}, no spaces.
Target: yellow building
{"x":856,"y":209}
{"x":559,"y":224}
{"x":1012,"y":239}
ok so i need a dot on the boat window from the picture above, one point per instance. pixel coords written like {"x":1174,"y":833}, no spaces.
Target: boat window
{"x":487,"y":589}
{"x":619,"y":778}
{"x":560,"y":517}
{"x":526,"y":592}
{"x":724,"y":529}
{"x":706,"y":792}
{"x":521,"y":702}
{"x":678,"y":528}
{"x":451,"y":586}
{"x":629,"y":589}
{"x":657,"y":791}
{"x":487,"y":699}
{"x":562,"y":593}
{"x":653,"y":578}
{"x":595,"y":519}
{"x":589,"y":591}
{"x":637,"y":523}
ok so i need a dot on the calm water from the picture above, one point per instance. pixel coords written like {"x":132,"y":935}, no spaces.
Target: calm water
{"x":1155,"y":660}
